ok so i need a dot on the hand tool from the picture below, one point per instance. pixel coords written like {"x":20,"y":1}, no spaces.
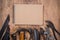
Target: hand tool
{"x":47,"y":33}
{"x":5,"y":30}
{"x":36,"y":35}
{"x":14,"y":36}
{"x":21,"y":36}
{"x":26,"y":30}
{"x":42,"y":33}
{"x":51,"y":25}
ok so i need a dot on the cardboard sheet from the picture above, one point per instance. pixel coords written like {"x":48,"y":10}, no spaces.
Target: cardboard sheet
{"x":28,"y":14}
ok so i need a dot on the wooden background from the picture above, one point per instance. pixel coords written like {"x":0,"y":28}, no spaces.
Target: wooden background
{"x":51,"y":12}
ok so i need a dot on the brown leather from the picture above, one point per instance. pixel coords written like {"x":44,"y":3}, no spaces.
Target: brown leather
{"x":21,"y":36}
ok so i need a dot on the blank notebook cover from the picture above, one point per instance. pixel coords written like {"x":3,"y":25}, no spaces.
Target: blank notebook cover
{"x":28,"y":14}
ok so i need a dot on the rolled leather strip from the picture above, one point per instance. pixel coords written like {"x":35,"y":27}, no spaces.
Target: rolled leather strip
{"x":36,"y":35}
{"x":30,"y":31}
{"x":14,"y":37}
{"x":21,"y":36}
{"x":42,"y":33}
